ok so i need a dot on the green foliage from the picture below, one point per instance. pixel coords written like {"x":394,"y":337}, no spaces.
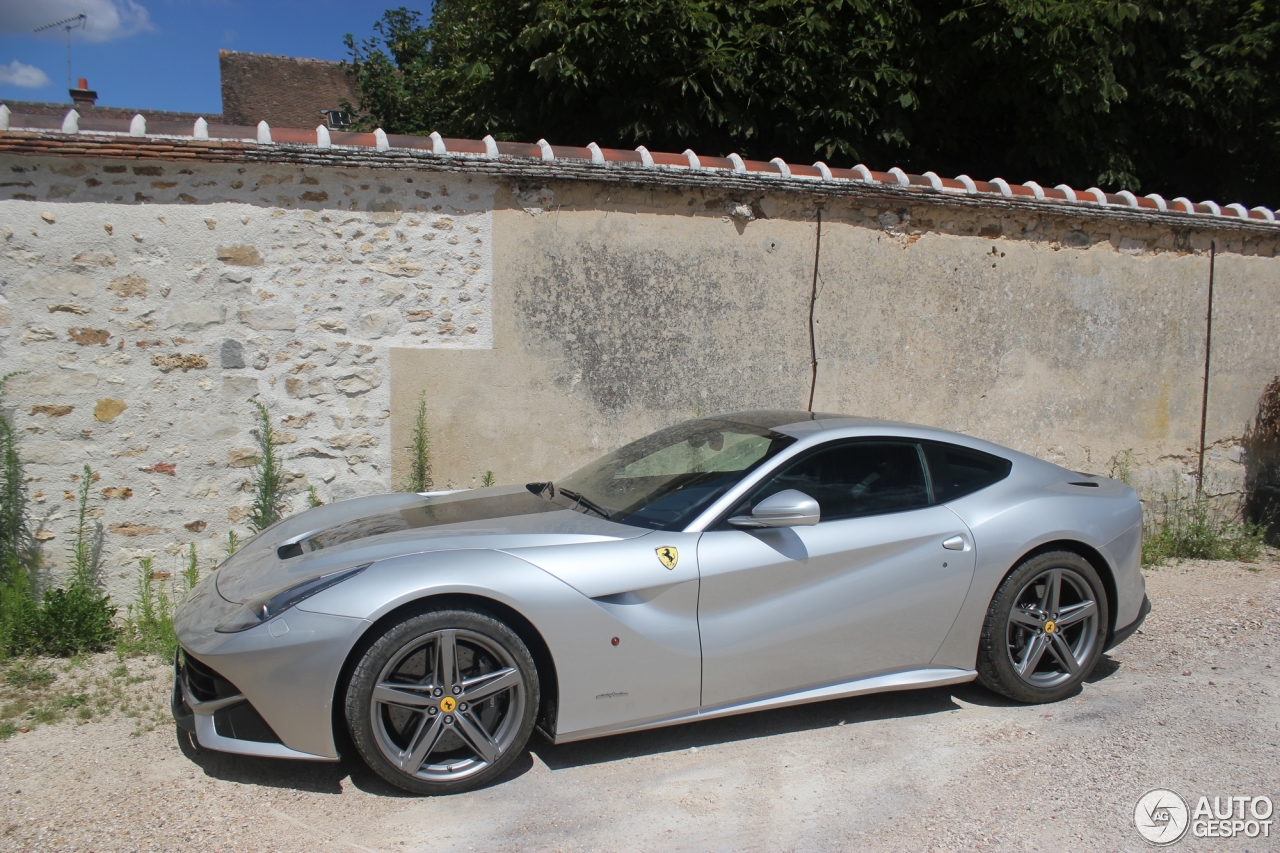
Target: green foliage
{"x":313,"y":498}
{"x":148,"y":627}
{"x":148,"y":624}
{"x":487,"y":480}
{"x":76,"y":619}
{"x":62,"y":621}
{"x":16,"y":542}
{"x":1262,"y":464}
{"x":86,"y":550}
{"x":1196,"y":528}
{"x":1178,"y":97}
{"x":420,"y":450}
{"x":233,"y":542}
{"x":268,"y":488}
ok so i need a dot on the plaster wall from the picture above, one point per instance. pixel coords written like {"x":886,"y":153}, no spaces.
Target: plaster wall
{"x":621,"y":310}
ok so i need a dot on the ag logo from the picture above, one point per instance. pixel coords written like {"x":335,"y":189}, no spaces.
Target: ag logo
{"x":668,"y":556}
{"x":1161,"y":816}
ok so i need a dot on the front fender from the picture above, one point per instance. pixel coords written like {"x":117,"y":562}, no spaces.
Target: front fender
{"x":600,"y":683}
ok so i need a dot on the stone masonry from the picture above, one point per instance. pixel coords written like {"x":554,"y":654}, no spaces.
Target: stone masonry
{"x":145,"y":305}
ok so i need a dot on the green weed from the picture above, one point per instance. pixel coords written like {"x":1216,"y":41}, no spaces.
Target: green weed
{"x":1197,"y":528}
{"x":24,"y":674}
{"x":420,"y":450}
{"x":267,"y":484}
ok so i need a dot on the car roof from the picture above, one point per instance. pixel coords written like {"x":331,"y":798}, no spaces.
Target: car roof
{"x":812,"y":427}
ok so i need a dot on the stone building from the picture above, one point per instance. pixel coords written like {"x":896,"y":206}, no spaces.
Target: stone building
{"x":283,"y":91}
{"x":552,"y":303}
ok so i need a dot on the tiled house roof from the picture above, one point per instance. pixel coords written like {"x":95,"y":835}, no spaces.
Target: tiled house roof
{"x":283,"y":91}
{"x":138,"y":138}
{"x":58,"y":110}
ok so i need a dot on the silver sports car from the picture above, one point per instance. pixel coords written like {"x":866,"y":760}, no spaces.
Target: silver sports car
{"x":723,"y":565}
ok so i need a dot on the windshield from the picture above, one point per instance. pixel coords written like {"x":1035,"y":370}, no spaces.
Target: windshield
{"x":665,"y":479}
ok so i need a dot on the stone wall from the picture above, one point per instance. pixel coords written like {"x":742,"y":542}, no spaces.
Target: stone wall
{"x":146,"y":304}
{"x":551,"y":319}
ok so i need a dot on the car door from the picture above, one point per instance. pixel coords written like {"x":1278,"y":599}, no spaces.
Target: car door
{"x":869,"y":589}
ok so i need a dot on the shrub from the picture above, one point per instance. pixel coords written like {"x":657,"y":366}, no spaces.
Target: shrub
{"x":1262,"y":464}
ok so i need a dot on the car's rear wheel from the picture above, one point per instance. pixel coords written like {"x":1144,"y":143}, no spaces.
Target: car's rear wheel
{"x":1045,"y":629}
{"x":443,"y":701}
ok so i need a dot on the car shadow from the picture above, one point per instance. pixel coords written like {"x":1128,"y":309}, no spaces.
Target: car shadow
{"x":975,"y":694}
{"x":799,"y":718}
{"x":316,"y":777}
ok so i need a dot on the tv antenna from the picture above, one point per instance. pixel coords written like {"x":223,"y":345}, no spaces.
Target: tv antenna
{"x":68,"y":24}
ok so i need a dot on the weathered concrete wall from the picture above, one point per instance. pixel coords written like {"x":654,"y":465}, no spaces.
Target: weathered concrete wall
{"x":617,"y":311}
{"x":147,"y":303}
{"x":611,"y":323}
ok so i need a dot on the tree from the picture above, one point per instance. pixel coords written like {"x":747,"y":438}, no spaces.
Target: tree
{"x":1174,"y":97}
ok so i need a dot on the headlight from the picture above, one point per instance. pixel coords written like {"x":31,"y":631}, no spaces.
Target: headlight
{"x":260,"y":610}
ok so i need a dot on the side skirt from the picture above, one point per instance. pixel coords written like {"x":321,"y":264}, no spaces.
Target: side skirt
{"x":912,"y":679}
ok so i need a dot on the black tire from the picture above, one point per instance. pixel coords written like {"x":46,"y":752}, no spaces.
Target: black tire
{"x":418,"y":732}
{"x":1034,"y":664}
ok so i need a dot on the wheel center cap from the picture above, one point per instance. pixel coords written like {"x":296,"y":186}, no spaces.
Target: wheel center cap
{"x":1050,"y":627}
{"x":448,"y":703}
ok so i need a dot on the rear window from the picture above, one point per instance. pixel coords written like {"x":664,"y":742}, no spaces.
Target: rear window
{"x":958,"y":471}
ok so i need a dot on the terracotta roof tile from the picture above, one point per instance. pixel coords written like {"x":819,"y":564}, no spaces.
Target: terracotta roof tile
{"x":165,"y":137}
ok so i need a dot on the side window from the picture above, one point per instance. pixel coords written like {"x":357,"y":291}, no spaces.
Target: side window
{"x":854,"y":479}
{"x":958,"y":471}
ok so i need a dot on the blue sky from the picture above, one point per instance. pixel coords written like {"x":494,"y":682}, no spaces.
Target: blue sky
{"x":163,"y":54}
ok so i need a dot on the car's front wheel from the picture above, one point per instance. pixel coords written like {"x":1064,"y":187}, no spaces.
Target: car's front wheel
{"x":443,"y":701}
{"x":1045,"y":629}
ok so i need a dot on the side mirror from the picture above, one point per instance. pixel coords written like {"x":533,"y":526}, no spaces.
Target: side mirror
{"x":791,"y":508}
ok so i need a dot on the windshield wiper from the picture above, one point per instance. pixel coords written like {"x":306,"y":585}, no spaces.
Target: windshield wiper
{"x":585,"y":503}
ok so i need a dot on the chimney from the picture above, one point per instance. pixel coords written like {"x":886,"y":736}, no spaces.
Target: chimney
{"x":83,"y":96}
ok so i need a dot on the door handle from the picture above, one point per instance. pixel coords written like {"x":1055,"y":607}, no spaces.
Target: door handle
{"x":955,"y":543}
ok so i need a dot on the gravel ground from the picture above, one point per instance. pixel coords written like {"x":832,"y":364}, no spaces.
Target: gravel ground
{"x":1186,"y":704}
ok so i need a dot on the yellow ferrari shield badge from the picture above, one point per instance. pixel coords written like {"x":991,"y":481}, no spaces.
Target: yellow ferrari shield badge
{"x":668,"y":556}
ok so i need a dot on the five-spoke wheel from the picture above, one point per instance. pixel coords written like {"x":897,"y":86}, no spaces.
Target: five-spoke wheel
{"x":443,"y":701}
{"x":1045,"y":628}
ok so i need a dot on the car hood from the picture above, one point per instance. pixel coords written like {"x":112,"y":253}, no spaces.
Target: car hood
{"x":350,"y":533}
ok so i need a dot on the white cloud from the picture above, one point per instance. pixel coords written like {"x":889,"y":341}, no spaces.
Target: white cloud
{"x":25,"y":76}
{"x":107,"y":19}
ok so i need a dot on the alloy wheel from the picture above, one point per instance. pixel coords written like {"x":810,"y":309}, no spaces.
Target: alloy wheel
{"x":448,"y":705}
{"x":1052,"y":628}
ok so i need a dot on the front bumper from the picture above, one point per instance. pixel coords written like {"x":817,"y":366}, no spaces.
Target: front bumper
{"x":226,"y":723}
{"x":265,"y":691}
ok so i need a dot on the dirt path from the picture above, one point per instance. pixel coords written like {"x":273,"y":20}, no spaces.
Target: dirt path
{"x":1188,"y":704}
